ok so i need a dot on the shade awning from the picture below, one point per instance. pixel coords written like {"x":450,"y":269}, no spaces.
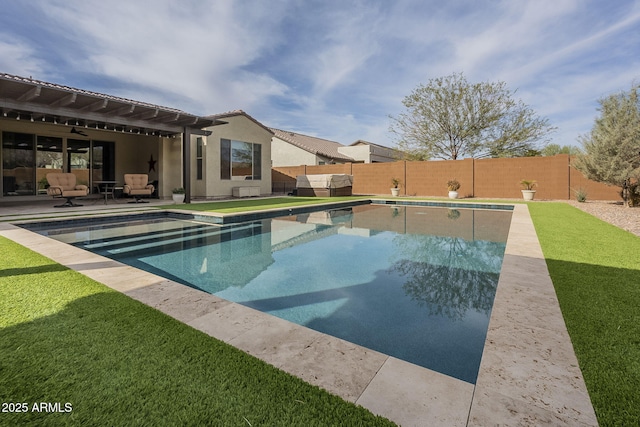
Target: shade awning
{"x":27,"y":99}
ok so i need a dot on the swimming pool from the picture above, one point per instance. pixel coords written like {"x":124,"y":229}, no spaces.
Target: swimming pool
{"x":416,"y":283}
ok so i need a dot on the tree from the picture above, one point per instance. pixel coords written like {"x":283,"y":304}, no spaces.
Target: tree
{"x":449,"y":118}
{"x":611,"y":151}
{"x":555,"y":149}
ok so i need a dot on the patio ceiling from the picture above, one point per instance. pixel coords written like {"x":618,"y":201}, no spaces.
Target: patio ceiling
{"x":23,"y":98}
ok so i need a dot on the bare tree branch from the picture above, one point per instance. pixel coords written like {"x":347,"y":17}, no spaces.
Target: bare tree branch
{"x":449,"y":118}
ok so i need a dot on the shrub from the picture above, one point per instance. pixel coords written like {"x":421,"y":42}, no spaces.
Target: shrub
{"x":581,"y":195}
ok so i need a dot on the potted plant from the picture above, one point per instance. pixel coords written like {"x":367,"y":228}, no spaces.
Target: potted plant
{"x":43,"y":184}
{"x":395,"y":190}
{"x":178,"y":195}
{"x":453,"y":185}
{"x":527,"y":189}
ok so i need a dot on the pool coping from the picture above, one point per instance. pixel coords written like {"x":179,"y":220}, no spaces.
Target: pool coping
{"x":528,"y":375}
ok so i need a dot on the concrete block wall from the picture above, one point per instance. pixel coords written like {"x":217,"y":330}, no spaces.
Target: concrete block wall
{"x":501,"y":178}
{"x":375,"y":178}
{"x":338,"y":168}
{"x":431,"y":177}
{"x":486,"y":178}
{"x":595,"y":190}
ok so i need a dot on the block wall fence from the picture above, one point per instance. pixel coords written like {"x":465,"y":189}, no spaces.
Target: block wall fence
{"x":486,"y":178}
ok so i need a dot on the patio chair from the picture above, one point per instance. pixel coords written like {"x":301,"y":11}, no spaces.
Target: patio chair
{"x":63,"y":184}
{"x":136,"y":185}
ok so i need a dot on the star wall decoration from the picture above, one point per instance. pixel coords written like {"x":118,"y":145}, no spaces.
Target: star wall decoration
{"x":152,"y":164}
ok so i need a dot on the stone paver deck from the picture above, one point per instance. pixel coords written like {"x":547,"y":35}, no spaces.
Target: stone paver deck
{"x":529,"y":374}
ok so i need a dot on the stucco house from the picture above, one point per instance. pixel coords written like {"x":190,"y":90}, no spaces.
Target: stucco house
{"x":294,"y":149}
{"x":233,"y":159}
{"x":46,"y":127}
{"x":368,"y":152}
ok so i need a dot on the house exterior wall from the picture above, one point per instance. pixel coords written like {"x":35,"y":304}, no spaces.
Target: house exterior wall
{"x":369,"y":153}
{"x":170,"y":166}
{"x":359,"y":153}
{"x":383,"y":154}
{"x":286,"y":154}
{"x":132,"y":152}
{"x":238,"y":128}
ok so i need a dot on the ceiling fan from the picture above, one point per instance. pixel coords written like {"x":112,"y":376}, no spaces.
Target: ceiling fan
{"x":79,"y":132}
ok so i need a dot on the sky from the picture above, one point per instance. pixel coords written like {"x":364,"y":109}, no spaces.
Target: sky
{"x":335,"y":69}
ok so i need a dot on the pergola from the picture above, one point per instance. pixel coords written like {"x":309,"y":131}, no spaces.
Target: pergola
{"x":24,"y":98}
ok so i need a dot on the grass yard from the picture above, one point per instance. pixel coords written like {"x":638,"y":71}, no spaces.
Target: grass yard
{"x":595,"y":269}
{"x":65,"y":339}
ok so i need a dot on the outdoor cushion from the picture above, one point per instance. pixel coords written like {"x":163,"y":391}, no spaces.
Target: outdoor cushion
{"x":136,"y":184}
{"x":64,"y":185}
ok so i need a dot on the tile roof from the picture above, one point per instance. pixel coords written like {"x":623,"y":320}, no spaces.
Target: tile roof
{"x":29,"y":80}
{"x":313,"y":145}
{"x":363,"y":142}
{"x":235,"y":113}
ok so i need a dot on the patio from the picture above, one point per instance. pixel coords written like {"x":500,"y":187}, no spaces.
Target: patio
{"x":529,"y":373}
{"x":43,"y":207}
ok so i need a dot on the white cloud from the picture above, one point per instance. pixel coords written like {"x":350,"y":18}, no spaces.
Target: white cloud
{"x":193,"y":53}
{"x":17,"y":57}
{"x":328,"y":68}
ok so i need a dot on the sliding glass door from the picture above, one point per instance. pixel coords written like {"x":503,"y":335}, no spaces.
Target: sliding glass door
{"x":27,"y":159}
{"x":103,"y":161}
{"x":79,"y":160}
{"x":18,"y":164}
{"x":48,"y":159}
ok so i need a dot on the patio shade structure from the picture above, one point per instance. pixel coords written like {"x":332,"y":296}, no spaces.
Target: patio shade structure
{"x":24,"y":98}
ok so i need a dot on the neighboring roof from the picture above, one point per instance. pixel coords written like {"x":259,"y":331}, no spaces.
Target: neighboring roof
{"x":54,"y":103}
{"x":218,"y":118}
{"x":313,"y":145}
{"x":363,"y":142}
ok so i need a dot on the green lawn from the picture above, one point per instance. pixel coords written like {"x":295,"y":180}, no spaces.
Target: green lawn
{"x":67,"y":339}
{"x":595,"y":268}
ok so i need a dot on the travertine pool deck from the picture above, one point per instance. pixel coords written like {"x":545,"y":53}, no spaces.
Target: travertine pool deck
{"x":529,"y":374}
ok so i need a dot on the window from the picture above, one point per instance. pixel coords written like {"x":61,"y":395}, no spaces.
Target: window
{"x":240,"y":160}
{"x":199,"y":158}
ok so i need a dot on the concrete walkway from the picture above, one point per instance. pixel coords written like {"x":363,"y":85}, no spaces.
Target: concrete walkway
{"x":528,"y":376}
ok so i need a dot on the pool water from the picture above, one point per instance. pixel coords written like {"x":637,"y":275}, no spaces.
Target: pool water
{"x":416,"y":283}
